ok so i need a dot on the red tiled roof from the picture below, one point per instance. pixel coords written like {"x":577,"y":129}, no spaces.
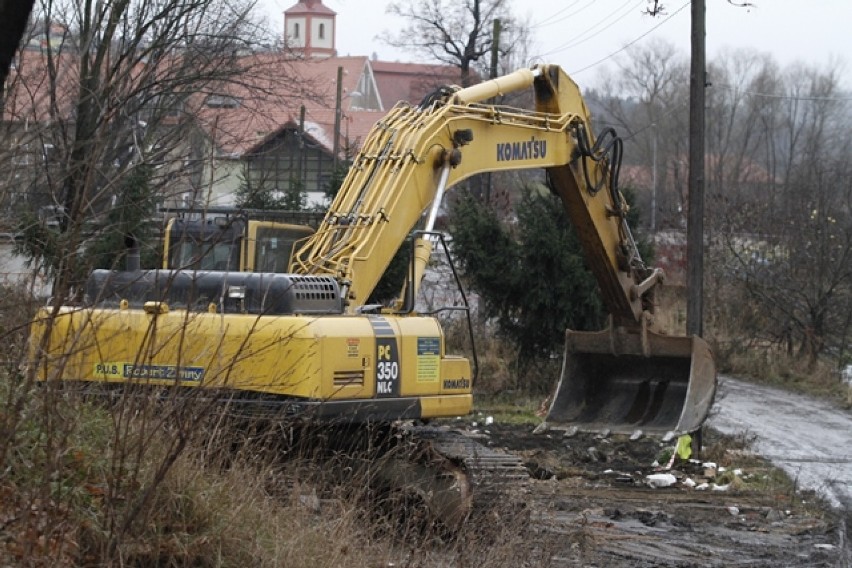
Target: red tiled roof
{"x":269,"y":97}
{"x":28,"y":94}
{"x":310,"y":7}
{"x":270,"y":100}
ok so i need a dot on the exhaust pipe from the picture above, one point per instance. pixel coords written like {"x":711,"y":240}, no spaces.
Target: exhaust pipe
{"x":133,"y":261}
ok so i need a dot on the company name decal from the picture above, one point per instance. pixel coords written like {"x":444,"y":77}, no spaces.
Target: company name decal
{"x":530,"y":150}
{"x":456,"y":383}
{"x":121,"y":370}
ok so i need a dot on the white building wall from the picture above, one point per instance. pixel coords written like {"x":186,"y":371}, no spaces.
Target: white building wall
{"x":15,"y":272}
{"x":324,"y":40}
{"x":296,"y":31}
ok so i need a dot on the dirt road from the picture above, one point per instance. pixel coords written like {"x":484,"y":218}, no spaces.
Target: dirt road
{"x":807,"y":438}
{"x":592,"y":505}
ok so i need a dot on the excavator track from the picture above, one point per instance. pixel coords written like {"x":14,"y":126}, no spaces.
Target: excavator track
{"x":488,"y":480}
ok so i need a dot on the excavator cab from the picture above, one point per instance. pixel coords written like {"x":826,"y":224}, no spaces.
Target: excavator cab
{"x":234,"y":240}
{"x":623,"y":382}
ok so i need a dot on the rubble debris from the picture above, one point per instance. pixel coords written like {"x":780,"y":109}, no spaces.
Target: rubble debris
{"x":658,"y":480}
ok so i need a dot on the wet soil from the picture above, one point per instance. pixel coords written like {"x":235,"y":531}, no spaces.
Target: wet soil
{"x":590,"y":503}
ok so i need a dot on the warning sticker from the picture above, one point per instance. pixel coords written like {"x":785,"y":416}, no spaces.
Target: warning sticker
{"x":353,"y":347}
{"x":428,"y":359}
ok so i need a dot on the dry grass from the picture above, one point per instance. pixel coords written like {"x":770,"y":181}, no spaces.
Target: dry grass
{"x":740,"y":353}
{"x":770,"y":365}
{"x":230,"y":503}
{"x":147,"y":483}
{"x":497,"y":358}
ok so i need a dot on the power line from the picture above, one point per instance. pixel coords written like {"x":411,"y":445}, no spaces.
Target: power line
{"x":550,"y":20}
{"x":785,"y":97}
{"x":614,"y":53}
{"x":584,"y":37}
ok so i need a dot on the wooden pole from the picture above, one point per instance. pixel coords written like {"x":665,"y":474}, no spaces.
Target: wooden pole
{"x":337,"y":112}
{"x":695,"y":217}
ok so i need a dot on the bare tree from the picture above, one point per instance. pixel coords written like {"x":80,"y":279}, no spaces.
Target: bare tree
{"x":792,"y":236}
{"x":115,"y":87}
{"x":777,"y":169}
{"x":100,"y":118}
{"x":14,"y":15}
{"x":454,"y":33}
{"x":646,"y":98}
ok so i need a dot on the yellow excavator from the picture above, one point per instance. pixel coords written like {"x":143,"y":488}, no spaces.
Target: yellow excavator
{"x":308,"y":340}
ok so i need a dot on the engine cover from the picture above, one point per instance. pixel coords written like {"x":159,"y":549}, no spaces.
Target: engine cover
{"x":261,"y":293}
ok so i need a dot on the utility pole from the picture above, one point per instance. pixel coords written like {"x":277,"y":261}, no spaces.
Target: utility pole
{"x":654,"y":182}
{"x":695,"y":217}
{"x":495,"y":53}
{"x":495,"y":47}
{"x":300,"y":164}
{"x":338,"y":102}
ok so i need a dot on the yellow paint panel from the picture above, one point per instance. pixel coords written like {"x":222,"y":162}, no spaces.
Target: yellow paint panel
{"x":446,"y":406}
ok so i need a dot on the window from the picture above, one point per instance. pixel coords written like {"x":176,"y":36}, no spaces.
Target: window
{"x":322,"y":31}
{"x":222,"y":101}
{"x":296,"y":31}
{"x":275,"y":247}
{"x":196,"y":255}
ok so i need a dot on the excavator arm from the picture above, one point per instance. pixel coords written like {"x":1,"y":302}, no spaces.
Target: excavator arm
{"x":629,"y":377}
{"x":414,"y":154}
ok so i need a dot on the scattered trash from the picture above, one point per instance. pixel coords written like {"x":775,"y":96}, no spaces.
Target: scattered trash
{"x":738,"y":472}
{"x":636,"y":435}
{"x":669,"y":436}
{"x":658,"y":480}
{"x":734,"y":511}
{"x":846,"y":375}
{"x":684,"y":447}
{"x":595,"y":454}
{"x":702,"y":487}
{"x":489,"y":420}
{"x":822,"y":546}
{"x":571,"y":432}
{"x":689,"y":482}
{"x":310,"y":501}
{"x":725,"y":487}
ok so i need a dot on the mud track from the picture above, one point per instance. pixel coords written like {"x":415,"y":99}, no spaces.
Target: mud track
{"x":590,"y":503}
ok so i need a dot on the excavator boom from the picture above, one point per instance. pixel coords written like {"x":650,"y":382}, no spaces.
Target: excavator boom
{"x":629,"y":377}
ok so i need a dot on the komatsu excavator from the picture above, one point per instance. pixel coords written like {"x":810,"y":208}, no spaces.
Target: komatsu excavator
{"x":308,"y":340}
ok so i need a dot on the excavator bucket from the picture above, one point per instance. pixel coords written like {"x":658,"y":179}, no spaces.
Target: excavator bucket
{"x":627,"y":381}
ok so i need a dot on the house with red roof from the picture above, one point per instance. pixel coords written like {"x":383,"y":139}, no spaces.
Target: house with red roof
{"x":285,"y":139}
{"x":295,"y":116}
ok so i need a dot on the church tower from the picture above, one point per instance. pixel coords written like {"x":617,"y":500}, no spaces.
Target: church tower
{"x":309,"y":29}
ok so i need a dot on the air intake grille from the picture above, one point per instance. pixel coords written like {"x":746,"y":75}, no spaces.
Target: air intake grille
{"x":348,"y":378}
{"x":317,"y":288}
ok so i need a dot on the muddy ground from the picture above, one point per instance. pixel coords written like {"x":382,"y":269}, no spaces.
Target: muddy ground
{"x":591,"y":505}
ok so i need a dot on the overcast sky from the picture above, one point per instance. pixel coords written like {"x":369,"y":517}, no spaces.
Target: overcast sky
{"x":583,"y":35}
